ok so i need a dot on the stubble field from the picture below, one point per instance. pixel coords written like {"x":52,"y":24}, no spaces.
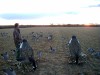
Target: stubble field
{"x":56,"y":63}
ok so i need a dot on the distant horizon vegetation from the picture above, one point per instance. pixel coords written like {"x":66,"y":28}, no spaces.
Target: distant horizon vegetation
{"x":52,"y":25}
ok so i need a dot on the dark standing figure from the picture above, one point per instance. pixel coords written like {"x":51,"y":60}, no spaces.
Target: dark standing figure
{"x":17,"y":39}
{"x":27,"y":53}
{"x":75,"y":48}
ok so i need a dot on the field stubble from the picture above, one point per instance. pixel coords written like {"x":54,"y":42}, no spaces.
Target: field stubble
{"x":57,"y":63}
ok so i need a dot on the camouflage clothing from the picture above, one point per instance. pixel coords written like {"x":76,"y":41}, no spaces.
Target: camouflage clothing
{"x":17,"y":37}
{"x":75,"y":48}
{"x":26,"y":50}
{"x":17,"y":40}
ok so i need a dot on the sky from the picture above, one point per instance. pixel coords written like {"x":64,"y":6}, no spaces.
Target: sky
{"x":42,"y":12}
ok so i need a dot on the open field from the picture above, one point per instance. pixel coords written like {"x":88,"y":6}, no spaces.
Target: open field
{"x":57,"y":63}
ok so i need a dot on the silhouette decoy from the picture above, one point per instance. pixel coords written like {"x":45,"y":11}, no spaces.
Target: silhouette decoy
{"x":52,"y":49}
{"x":5,"y":56}
{"x":91,"y":50}
{"x":39,"y":53}
{"x":9,"y":71}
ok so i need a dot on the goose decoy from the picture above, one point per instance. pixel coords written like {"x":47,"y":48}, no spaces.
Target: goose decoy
{"x":5,"y":56}
{"x":9,"y":71}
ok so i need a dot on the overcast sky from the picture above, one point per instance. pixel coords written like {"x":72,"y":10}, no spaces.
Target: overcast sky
{"x":49,"y":11}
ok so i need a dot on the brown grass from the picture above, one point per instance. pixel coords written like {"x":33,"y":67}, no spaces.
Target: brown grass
{"x":57,"y":63}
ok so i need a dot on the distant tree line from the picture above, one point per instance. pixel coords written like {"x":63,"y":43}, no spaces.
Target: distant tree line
{"x":65,"y":25}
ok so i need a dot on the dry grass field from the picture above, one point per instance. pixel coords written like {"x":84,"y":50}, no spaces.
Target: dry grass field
{"x":56,"y":63}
